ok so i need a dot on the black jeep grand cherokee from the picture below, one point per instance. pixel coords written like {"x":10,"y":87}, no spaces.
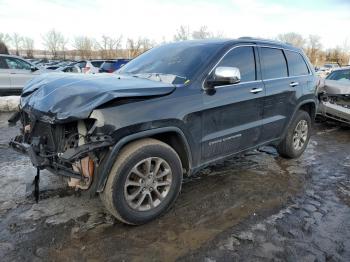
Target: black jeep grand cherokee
{"x":131,"y":136}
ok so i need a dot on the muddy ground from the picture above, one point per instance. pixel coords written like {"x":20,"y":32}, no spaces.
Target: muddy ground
{"x":254,"y":207}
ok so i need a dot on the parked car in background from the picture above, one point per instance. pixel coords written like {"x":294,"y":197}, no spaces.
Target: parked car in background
{"x":175,"y":109}
{"x":329,"y":67}
{"x":334,"y":95}
{"x":90,"y":66}
{"x":15,"y":72}
{"x":113,"y":65}
{"x":69,"y":69}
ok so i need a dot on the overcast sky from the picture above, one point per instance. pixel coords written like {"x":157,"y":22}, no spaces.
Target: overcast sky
{"x":159,"y":19}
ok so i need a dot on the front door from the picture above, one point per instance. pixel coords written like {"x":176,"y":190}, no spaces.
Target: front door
{"x":5,"y":83}
{"x":20,"y":72}
{"x":233,"y":114}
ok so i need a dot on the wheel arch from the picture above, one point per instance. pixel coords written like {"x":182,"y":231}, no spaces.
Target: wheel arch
{"x":172,"y":136}
{"x":308,"y":105}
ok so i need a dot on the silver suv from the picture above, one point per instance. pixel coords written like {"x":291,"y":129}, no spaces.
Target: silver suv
{"x":15,"y":72}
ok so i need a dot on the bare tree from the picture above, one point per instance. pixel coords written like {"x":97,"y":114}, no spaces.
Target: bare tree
{"x":3,"y":48}
{"x":109,"y":46}
{"x":84,"y":46}
{"x":17,"y":42}
{"x":53,"y":41}
{"x":137,"y":47}
{"x":337,"y":55}
{"x":28,"y":45}
{"x":202,"y":33}
{"x":292,"y":38}
{"x":134,"y":47}
{"x":183,"y":33}
{"x":5,"y":38}
{"x":313,"y":48}
{"x":63,"y":47}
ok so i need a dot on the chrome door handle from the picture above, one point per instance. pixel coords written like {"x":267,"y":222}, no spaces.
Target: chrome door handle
{"x":256,"y":90}
{"x":293,"y":84}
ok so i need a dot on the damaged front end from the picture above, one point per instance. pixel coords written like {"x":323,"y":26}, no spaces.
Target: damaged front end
{"x":334,"y":97}
{"x":68,"y":149}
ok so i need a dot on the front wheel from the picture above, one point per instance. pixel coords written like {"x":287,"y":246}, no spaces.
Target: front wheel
{"x":298,"y":135}
{"x":144,"y":182}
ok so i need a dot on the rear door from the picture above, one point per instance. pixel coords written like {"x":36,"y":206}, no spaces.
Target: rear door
{"x":299,"y":73}
{"x":232,"y":118}
{"x":5,"y":83}
{"x":20,"y":72}
{"x":280,"y":100}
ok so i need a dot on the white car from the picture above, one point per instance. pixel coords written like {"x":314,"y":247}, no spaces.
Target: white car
{"x":334,"y":95}
{"x":90,"y":66}
{"x":15,"y":72}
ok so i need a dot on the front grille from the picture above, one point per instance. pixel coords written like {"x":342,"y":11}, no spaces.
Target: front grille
{"x":55,"y":138}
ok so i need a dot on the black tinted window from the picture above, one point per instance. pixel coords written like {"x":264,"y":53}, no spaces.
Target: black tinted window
{"x":3,"y":64}
{"x":274,"y":63}
{"x":296,"y":64}
{"x":81,"y":64}
{"x":97,"y":63}
{"x":243,"y":59}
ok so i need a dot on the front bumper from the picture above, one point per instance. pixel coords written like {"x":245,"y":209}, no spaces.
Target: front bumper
{"x":58,"y":163}
{"x":334,"y":111}
{"x":27,"y":149}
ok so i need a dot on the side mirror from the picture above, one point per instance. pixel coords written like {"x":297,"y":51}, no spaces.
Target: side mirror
{"x":33,"y":68}
{"x":224,"y":75}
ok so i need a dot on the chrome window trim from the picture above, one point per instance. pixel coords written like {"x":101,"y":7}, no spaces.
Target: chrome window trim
{"x":263,"y":46}
{"x":240,"y":83}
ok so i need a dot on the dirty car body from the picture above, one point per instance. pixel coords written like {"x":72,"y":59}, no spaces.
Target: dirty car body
{"x":334,"y":95}
{"x":177,"y":94}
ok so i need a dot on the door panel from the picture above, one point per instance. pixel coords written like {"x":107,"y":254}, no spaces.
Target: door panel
{"x":278,"y":107}
{"x":4,"y":75}
{"x":20,"y":72}
{"x":233,"y":113}
{"x":5,"y":79}
{"x":232,"y":121}
{"x":20,"y":77}
{"x":280,"y":98}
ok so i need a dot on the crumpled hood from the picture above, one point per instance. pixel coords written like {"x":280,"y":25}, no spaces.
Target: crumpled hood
{"x":64,"y":97}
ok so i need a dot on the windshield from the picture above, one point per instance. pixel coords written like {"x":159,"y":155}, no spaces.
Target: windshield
{"x":340,"y":75}
{"x":175,"y":63}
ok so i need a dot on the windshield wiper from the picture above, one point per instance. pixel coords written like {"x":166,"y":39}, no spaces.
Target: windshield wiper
{"x":161,"y":77}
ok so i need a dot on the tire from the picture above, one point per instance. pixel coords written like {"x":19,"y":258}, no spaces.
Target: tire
{"x":287,"y":147}
{"x":136,"y":199}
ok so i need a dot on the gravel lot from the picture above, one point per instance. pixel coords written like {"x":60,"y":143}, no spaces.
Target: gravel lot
{"x":254,"y":207}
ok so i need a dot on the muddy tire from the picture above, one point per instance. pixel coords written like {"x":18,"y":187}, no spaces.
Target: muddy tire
{"x":298,"y":135}
{"x":144,"y":182}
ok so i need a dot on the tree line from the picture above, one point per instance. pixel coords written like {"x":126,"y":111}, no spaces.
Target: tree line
{"x":84,"y":47}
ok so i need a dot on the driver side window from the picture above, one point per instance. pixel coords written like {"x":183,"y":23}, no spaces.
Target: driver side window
{"x":244,"y":59}
{"x":14,"y":63}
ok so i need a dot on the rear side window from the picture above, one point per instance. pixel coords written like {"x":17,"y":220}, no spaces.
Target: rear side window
{"x":81,"y":64}
{"x":296,"y":64}
{"x":107,"y":65}
{"x":242,"y":58}
{"x":97,"y":63}
{"x":274,"y":63}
